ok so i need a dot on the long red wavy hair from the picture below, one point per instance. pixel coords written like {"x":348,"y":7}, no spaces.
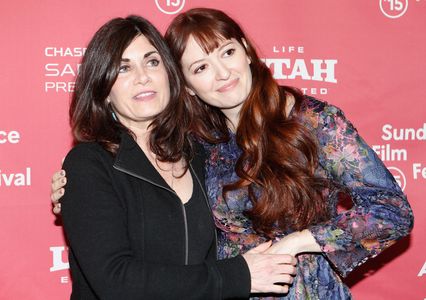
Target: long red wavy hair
{"x":279,"y":154}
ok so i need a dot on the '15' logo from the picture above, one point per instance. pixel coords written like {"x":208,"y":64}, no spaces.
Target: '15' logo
{"x":393,"y":8}
{"x":170,"y":7}
{"x":399,"y":177}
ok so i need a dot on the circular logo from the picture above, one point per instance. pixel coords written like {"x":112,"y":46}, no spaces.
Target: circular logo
{"x":399,"y":177}
{"x":170,"y":7}
{"x":393,"y":8}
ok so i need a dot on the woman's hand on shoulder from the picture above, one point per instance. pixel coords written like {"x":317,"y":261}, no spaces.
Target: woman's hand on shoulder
{"x":57,"y":190}
{"x":270,"y":273}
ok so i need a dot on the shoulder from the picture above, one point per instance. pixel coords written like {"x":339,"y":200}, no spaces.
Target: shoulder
{"x":300,"y":105}
{"x":318,"y":113}
{"x":85,"y":149}
{"x":317,"y":106}
{"x":86,"y":154}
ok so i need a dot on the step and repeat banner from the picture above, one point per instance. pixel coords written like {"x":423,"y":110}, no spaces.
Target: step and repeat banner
{"x":367,"y":57}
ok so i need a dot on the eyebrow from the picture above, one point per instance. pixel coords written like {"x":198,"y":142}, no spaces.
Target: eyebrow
{"x":148,"y":54}
{"x":197,"y":61}
{"x":224,"y":45}
{"x":220,"y":48}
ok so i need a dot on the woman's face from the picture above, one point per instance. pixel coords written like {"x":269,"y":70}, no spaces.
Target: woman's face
{"x":221,"y":78}
{"x":142,"y":89}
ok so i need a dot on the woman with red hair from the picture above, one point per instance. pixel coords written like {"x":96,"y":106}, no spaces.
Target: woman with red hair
{"x":279,"y":162}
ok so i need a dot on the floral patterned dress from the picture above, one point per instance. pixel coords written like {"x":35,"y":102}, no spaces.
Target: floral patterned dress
{"x":379,"y":216}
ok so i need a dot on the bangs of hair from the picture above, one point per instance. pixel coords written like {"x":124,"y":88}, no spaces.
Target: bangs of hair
{"x":208,"y":28}
{"x":208,"y":38}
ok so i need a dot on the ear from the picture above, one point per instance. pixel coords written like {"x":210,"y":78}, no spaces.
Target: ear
{"x":246,"y":47}
{"x":108,"y":100}
{"x":190,"y":91}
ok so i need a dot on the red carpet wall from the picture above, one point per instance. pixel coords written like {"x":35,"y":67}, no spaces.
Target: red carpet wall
{"x":367,"y":57}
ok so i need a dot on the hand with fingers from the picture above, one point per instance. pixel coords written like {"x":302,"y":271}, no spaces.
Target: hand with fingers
{"x":295,"y":243}
{"x":57,"y":190}
{"x":270,"y":273}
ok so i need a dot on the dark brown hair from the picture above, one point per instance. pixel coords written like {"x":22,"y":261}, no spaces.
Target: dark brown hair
{"x":90,"y":115}
{"x":279,"y":155}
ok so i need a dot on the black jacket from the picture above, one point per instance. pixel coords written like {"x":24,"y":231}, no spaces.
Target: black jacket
{"x":127,"y":232}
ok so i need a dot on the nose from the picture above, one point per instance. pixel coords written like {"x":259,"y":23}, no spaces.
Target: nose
{"x":142,"y":76}
{"x":222,"y":71}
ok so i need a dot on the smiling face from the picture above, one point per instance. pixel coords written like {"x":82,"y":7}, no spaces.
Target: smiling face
{"x":221,"y":78}
{"x":141,"y":90}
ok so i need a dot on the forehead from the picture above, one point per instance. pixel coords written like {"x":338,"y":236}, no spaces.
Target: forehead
{"x":195,"y":48}
{"x":139,"y":45}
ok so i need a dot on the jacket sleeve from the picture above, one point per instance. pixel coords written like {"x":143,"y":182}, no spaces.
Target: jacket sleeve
{"x":95,"y":223}
{"x":380,"y":214}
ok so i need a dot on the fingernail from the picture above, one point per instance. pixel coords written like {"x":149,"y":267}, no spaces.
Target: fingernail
{"x":61,"y":191}
{"x":62,"y":173}
{"x":63,"y":180}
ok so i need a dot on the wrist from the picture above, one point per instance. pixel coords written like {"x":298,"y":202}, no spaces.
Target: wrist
{"x":305,"y":242}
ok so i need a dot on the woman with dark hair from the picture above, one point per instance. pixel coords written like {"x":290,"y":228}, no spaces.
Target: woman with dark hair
{"x":278,"y":162}
{"x":135,"y":213}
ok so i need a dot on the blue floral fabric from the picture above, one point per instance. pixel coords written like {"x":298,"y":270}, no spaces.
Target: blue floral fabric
{"x":379,"y":216}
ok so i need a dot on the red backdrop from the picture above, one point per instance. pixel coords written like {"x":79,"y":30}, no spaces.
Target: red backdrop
{"x":366,"y":57}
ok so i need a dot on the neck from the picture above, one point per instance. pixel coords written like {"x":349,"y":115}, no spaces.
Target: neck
{"x":142,"y":136}
{"x":142,"y":139}
{"x":233,"y":117}
{"x":141,"y":131}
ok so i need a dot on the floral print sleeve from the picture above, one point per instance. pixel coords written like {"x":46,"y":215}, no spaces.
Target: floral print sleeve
{"x":380,"y":214}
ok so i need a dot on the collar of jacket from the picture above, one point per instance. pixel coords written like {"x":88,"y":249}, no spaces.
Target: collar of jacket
{"x":132,"y":160}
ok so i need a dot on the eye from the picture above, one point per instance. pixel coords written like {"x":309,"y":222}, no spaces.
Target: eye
{"x":153,"y":62}
{"x":200,"y":69}
{"x":123,"y":69}
{"x":229,"y":52}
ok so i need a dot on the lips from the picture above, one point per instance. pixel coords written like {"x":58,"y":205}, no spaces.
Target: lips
{"x":145,"y":96}
{"x":229,"y":86}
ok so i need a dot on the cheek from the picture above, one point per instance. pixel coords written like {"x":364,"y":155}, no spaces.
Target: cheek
{"x":119,"y":95}
{"x":245,"y":66}
{"x":249,"y":79}
{"x":203,"y":84}
{"x":117,"y":103}
{"x":166,"y":96}
{"x":248,"y":76}
{"x":165,"y":89}
{"x":119,"y":89}
{"x":114,"y":97}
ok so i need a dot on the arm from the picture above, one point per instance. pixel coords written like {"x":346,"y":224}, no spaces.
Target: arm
{"x":380,"y":214}
{"x":95,"y":222}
